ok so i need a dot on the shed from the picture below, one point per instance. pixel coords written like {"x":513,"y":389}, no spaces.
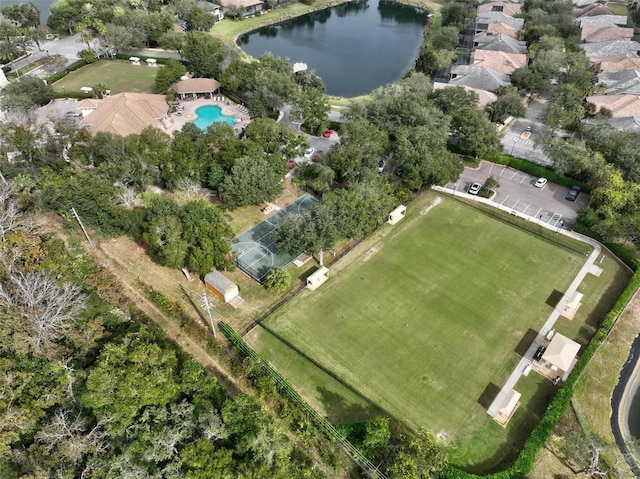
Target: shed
{"x":223,"y":287}
{"x":508,"y":408}
{"x":317,"y":278}
{"x":560,"y":354}
{"x":397,"y":214}
{"x":574,"y":302}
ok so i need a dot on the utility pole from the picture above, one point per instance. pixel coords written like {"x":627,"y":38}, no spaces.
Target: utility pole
{"x":206,"y":304}
{"x":86,"y":235}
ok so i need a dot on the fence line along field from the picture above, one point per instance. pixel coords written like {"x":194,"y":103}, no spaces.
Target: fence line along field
{"x":423,"y":320}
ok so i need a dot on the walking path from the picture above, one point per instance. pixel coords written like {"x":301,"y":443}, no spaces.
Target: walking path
{"x":587,"y":267}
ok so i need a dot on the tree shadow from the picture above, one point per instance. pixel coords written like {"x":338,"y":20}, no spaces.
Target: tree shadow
{"x":608,"y":299}
{"x":554,"y":298}
{"x":488,"y":395}
{"x":518,"y":430}
{"x":525,"y":342}
{"x":340,"y":411}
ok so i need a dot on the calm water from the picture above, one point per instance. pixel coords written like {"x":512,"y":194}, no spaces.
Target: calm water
{"x":209,"y":114}
{"x":355,"y":47}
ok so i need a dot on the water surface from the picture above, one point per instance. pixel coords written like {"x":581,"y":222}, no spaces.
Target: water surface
{"x":355,"y":47}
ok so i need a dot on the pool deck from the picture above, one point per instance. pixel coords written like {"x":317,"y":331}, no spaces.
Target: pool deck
{"x":228,"y":107}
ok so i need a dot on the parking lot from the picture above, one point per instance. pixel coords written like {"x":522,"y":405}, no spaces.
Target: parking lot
{"x":516,"y":192}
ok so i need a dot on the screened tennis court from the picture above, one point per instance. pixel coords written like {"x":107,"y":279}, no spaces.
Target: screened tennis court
{"x":255,"y":249}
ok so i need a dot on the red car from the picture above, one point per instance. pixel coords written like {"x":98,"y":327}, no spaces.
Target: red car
{"x":327,"y":133}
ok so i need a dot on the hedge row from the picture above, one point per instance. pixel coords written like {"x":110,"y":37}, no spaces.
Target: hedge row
{"x":558,"y":406}
{"x":535,"y":170}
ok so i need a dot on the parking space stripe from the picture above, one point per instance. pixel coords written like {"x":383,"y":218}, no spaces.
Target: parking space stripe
{"x":505,"y":200}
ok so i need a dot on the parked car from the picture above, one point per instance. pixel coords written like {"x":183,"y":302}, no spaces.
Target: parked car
{"x":6,"y":69}
{"x":328,"y":133}
{"x":399,"y":171}
{"x":540,"y":182}
{"x":309,"y":153}
{"x":381,"y":164}
{"x":474,"y":188}
{"x":573,"y":193}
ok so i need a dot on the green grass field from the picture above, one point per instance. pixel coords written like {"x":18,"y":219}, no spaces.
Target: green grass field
{"x":422,"y":321}
{"x":118,"y":76}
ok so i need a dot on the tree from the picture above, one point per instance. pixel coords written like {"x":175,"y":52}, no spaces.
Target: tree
{"x":251,"y":181}
{"x":46,"y":308}
{"x":207,"y":233}
{"x":26,"y":93}
{"x":313,"y":232}
{"x":505,"y":106}
{"x":204,"y":54}
{"x":130,"y":374}
{"x":565,"y":109}
{"x":164,"y":236}
{"x":122,"y":38}
{"x":168,"y":75}
{"x":447,"y":38}
{"x":311,"y":107}
{"x":418,"y":457}
{"x":277,"y":279}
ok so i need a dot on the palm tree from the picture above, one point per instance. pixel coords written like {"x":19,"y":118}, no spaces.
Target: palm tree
{"x":36,"y":35}
{"x":8,"y":50}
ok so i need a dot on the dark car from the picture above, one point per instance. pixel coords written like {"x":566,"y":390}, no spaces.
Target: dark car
{"x":6,"y":69}
{"x":572,"y":194}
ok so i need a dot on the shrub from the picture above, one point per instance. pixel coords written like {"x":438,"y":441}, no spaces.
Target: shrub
{"x":277,"y":279}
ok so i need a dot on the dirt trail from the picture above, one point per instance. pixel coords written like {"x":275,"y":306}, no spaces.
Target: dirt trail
{"x":170,"y":326}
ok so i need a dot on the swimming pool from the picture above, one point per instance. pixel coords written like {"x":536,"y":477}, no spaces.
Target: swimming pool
{"x":209,"y":114}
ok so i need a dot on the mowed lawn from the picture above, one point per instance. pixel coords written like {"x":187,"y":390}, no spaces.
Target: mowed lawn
{"x":424,"y":319}
{"x":117,"y":76}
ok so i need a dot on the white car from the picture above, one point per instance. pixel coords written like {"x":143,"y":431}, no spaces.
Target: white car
{"x":540,"y":182}
{"x":475,"y":188}
{"x":309,"y":153}
{"x":381,"y":164}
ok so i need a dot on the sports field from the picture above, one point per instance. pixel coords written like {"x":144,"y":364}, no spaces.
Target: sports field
{"x":116,"y":75}
{"x":427,"y":315}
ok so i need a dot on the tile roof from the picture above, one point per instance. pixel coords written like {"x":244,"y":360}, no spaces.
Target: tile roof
{"x":500,"y":27}
{"x":478,"y":77}
{"x":618,"y":63}
{"x":196,"y":85}
{"x":603,"y":34}
{"x":503,"y":62}
{"x":127,"y":113}
{"x":620,"y":82}
{"x":499,"y":17}
{"x":621,"y":106}
{"x":592,"y":10}
{"x":507,"y":7}
{"x":484,"y":97}
{"x":610,"y":48}
{"x":500,"y":42}
{"x":602,"y":21}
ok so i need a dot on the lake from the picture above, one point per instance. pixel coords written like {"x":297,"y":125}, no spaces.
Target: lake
{"x":355,"y":47}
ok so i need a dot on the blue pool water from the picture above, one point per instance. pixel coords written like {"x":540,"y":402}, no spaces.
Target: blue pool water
{"x":210,"y":113}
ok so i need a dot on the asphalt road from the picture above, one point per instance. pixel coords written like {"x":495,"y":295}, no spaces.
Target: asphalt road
{"x":68,"y":47}
{"x":523,"y":146}
{"x":516,"y":191}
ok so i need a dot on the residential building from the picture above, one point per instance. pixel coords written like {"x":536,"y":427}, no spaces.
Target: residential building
{"x":502,"y":62}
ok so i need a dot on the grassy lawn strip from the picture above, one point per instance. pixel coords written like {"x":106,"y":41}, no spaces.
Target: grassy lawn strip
{"x":117,"y":76}
{"x":426,"y":318}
